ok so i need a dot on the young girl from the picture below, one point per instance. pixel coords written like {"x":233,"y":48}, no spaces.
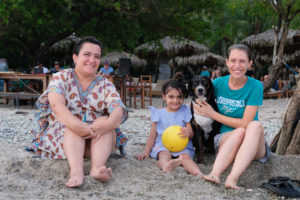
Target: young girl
{"x":174,"y":114}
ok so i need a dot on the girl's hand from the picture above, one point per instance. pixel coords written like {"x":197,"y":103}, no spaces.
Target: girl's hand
{"x":184,"y":132}
{"x":203,"y":109}
{"x":143,"y":156}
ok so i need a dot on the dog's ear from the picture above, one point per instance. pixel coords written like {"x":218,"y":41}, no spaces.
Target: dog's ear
{"x":211,"y":90}
{"x":190,"y":88}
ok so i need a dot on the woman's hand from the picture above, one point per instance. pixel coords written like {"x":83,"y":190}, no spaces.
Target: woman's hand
{"x":143,"y":156}
{"x":99,"y":127}
{"x":203,"y":109}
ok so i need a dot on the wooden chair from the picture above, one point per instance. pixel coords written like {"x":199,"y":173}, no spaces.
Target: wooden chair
{"x":133,"y":89}
{"x":137,"y":89}
{"x":145,"y":82}
{"x":128,"y":90}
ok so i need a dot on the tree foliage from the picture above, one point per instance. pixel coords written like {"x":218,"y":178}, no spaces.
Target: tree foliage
{"x":28,"y":28}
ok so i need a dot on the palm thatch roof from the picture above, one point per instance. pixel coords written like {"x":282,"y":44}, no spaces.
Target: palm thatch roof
{"x":266,"y":39}
{"x":262,"y":44}
{"x":288,"y":58}
{"x":113,"y":59}
{"x":65,"y":45}
{"x":208,"y":59}
{"x":170,"y":47}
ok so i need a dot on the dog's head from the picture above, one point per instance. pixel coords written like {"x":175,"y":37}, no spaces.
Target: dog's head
{"x":201,"y":87}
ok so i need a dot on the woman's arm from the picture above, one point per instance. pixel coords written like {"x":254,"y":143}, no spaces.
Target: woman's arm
{"x":206,"y":110}
{"x":102,"y":125}
{"x":63,"y":114}
{"x":150,"y":143}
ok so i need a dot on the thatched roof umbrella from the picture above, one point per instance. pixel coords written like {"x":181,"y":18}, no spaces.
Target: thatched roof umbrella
{"x":262,"y":45}
{"x":113,"y":59}
{"x":169,"y":47}
{"x":292,"y":59}
{"x":195,"y":61}
{"x":62,"y":50}
{"x":266,"y":39}
{"x":65,"y":45}
{"x":208,"y":59}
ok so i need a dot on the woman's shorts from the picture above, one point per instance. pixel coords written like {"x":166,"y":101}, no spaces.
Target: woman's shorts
{"x":217,"y":140}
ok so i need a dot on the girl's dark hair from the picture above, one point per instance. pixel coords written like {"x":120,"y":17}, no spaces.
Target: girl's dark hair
{"x":179,"y":86}
{"x":241,"y":47}
{"x":89,"y":39}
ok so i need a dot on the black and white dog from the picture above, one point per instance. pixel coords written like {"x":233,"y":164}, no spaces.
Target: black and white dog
{"x":204,"y":128}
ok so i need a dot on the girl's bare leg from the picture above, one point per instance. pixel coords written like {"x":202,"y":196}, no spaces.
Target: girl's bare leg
{"x":100,"y":152}
{"x":228,"y":148}
{"x":253,"y":147}
{"x":166,"y":163}
{"x":190,"y":166}
{"x":74,"y":150}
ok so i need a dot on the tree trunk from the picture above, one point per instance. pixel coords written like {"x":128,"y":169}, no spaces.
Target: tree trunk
{"x":289,"y":138}
{"x":275,"y":71}
{"x":294,"y":147}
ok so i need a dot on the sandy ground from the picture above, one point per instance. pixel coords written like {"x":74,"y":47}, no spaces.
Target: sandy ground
{"x":24,"y":176}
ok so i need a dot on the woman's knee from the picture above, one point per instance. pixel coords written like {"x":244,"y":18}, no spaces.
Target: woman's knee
{"x":255,"y":128}
{"x":239,"y":134}
{"x":103,"y":117}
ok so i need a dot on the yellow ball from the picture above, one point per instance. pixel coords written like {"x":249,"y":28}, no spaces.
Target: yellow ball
{"x":172,"y":141}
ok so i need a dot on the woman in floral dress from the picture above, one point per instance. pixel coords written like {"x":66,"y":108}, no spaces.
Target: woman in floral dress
{"x":80,"y":115}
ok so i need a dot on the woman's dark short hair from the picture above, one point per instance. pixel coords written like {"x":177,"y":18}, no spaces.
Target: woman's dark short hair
{"x":88,"y":39}
{"x":241,"y":47}
{"x":172,"y":84}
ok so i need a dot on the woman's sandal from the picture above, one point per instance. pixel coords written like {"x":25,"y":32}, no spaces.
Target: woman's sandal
{"x":283,"y":186}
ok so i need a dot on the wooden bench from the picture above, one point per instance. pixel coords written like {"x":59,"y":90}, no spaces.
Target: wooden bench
{"x":279,"y":94}
{"x":289,"y":93}
{"x":16,"y":96}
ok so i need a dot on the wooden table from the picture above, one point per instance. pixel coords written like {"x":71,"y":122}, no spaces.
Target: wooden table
{"x":7,"y":76}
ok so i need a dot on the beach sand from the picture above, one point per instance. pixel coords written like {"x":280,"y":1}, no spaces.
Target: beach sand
{"x":25,"y":176}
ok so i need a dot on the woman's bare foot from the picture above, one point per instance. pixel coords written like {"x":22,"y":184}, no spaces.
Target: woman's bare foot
{"x":172,"y":164}
{"x":212,"y":178}
{"x":200,"y":175}
{"x":102,"y":174}
{"x":75,"y":180}
{"x":231,"y":184}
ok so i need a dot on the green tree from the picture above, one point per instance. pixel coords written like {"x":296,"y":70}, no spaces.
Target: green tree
{"x":31,"y":27}
{"x":288,"y":139}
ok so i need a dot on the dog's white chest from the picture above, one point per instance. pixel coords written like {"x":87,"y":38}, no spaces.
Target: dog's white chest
{"x":205,"y":123}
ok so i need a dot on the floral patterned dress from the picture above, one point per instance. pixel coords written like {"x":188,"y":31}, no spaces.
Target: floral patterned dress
{"x":100,"y":99}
